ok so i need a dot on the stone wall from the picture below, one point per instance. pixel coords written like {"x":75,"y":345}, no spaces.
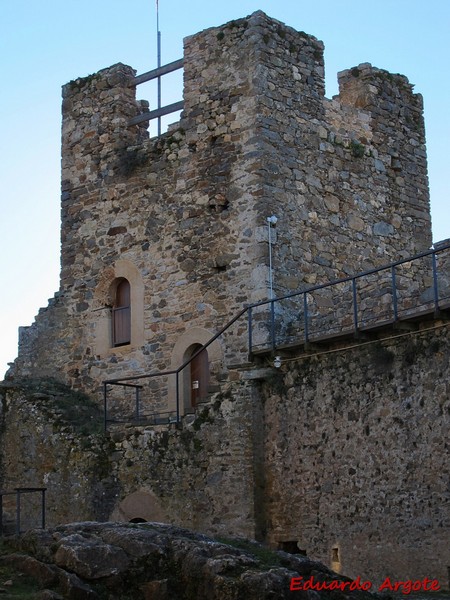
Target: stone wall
{"x":199,"y":476}
{"x":342,"y":455}
{"x":49,"y":437}
{"x":356,"y":456}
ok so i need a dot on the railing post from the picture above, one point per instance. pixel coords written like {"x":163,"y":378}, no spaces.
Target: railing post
{"x":435,"y":283}
{"x":177,"y":389}
{"x":355,"y":305}
{"x":394,"y":293}
{"x":105,"y":406}
{"x":250,"y":332}
{"x":17,"y":512}
{"x":137,"y":400}
{"x":43,"y":508}
{"x":305,"y":316}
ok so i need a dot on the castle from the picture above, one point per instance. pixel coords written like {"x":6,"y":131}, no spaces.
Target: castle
{"x":340,"y":450}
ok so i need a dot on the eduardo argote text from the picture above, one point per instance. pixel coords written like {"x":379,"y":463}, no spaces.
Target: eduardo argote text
{"x":405,"y":587}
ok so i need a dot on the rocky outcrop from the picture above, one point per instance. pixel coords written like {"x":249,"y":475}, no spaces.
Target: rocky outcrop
{"x":153,"y":561}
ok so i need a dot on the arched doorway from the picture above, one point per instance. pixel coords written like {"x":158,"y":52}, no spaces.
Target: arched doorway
{"x":140,"y":507}
{"x":186,"y":345}
{"x":199,"y":375}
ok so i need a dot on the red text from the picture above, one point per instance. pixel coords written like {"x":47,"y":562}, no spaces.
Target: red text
{"x":408,"y":586}
{"x":298,"y":583}
{"x":405,"y":587}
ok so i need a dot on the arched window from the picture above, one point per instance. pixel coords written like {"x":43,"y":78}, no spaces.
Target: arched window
{"x":121,"y":314}
{"x":118,"y":315}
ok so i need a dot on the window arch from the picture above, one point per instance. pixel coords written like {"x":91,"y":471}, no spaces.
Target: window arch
{"x":121,"y":313}
{"x":109,"y":296}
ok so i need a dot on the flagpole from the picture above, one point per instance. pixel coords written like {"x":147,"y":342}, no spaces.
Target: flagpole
{"x":158,"y":43}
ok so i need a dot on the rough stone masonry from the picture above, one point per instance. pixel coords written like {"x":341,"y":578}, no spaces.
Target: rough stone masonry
{"x":312,"y":456}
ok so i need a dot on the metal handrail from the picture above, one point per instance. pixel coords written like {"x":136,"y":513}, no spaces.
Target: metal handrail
{"x":123,"y":380}
{"x":17,"y":492}
{"x":250,"y":308}
{"x":309,"y":290}
{"x":186,"y":362}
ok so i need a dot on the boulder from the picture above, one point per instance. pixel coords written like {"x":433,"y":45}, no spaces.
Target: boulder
{"x":153,"y":561}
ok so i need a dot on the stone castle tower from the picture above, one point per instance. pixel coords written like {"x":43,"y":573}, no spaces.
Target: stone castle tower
{"x":183,"y":218}
{"x":164,"y":240}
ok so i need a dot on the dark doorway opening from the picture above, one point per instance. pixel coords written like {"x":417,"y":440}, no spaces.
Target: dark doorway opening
{"x":199,"y":380}
{"x":291,"y":547}
{"x":138,"y":520}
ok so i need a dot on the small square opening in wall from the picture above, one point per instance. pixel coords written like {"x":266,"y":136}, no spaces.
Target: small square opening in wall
{"x":291,"y":547}
{"x":335,"y":559}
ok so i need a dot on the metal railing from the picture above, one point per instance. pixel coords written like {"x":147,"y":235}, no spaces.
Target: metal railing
{"x":129,"y":382}
{"x":345,"y":317}
{"x":18,"y":492}
{"x":433,"y":301}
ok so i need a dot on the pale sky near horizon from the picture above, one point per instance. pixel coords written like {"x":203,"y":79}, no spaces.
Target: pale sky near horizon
{"x":46,"y":43}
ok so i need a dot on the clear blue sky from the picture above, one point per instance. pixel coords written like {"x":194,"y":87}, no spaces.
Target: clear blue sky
{"x":46,"y":43}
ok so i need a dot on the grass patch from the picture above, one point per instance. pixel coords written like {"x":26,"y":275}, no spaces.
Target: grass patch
{"x":357,"y":149}
{"x":267,"y":557}
{"x":67,"y":407}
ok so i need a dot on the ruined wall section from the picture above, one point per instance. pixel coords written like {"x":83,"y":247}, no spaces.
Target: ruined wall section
{"x":40,"y":342}
{"x":356,"y":457}
{"x":398,"y":151}
{"x":199,"y":476}
{"x":346,"y":177}
{"x":49,"y":438}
